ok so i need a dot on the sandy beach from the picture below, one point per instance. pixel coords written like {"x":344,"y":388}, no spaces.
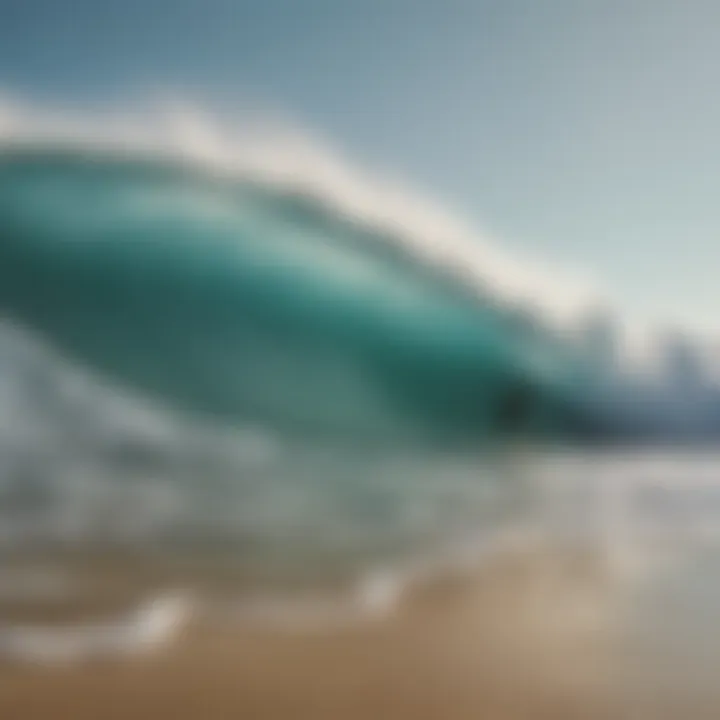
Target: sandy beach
{"x":522,"y":639}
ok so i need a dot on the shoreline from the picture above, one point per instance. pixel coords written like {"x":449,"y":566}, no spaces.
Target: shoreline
{"x":521,"y":638}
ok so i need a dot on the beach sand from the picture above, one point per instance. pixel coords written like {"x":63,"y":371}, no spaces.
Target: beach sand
{"x":524,"y":638}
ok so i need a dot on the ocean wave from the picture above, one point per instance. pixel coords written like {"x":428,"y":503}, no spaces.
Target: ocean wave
{"x":277,"y":156}
{"x":232,"y":298}
{"x":241,"y":343}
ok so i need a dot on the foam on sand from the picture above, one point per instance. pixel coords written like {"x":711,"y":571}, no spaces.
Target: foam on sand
{"x":152,"y":626}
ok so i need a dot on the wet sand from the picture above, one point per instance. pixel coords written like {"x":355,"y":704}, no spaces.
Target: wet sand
{"x":525,"y":638}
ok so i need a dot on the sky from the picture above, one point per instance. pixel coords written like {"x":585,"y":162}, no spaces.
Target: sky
{"x":581,"y":132}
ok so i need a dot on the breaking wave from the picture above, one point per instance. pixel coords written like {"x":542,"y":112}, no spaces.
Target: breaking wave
{"x":240,"y":342}
{"x":256,"y":283}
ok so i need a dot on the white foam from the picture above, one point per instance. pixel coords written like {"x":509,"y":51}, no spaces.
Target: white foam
{"x":381,"y":591}
{"x":376,"y":596}
{"x":149,"y":628}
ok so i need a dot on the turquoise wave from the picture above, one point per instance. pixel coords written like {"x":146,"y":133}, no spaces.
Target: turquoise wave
{"x":243,"y":302}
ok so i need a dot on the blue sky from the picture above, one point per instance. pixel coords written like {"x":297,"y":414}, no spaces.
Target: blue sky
{"x":582,"y":132}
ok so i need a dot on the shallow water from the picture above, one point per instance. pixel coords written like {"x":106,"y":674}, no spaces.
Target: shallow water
{"x":603,"y":566}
